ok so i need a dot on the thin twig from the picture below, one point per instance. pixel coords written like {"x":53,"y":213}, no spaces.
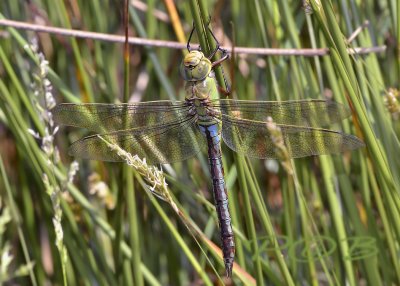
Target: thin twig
{"x":176,"y":45}
{"x":357,"y":31}
{"x":160,"y":15}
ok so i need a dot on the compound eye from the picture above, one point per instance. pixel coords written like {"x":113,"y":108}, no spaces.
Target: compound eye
{"x":192,"y":59}
{"x":195,"y":66}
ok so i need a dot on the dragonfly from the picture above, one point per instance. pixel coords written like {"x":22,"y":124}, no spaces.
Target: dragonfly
{"x":168,"y":131}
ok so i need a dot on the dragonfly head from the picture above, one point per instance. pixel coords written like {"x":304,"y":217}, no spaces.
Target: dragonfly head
{"x":195,"y":66}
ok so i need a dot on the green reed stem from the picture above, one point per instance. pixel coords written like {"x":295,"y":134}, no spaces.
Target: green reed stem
{"x":16,"y":217}
{"x":344,"y":67}
{"x":152,"y":55}
{"x":60,"y":6}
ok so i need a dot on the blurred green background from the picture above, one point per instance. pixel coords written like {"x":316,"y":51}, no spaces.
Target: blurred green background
{"x":332,"y":220}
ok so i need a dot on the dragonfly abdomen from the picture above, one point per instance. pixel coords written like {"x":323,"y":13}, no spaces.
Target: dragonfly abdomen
{"x":220,"y":194}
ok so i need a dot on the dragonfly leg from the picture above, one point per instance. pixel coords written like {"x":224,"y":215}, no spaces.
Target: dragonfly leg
{"x":190,"y":38}
{"x":225,"y":54}
{"x":224,"y":57}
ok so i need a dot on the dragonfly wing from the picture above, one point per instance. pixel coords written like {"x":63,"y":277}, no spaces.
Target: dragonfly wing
{"x":159,"y":144}
{"x":255,"y":139}
{"x":313,"y":113}
{"x":105,"y":118}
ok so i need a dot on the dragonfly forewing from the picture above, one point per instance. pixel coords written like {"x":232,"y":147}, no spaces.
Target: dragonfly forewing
{"x":255,"y":139}
{"x":105,"y":118}
{"x":312,"y":113}
{"x":159,"y":144}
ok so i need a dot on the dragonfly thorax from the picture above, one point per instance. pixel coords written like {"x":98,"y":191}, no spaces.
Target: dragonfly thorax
{"x":200,"y":86}
{"x":199,"y":95}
